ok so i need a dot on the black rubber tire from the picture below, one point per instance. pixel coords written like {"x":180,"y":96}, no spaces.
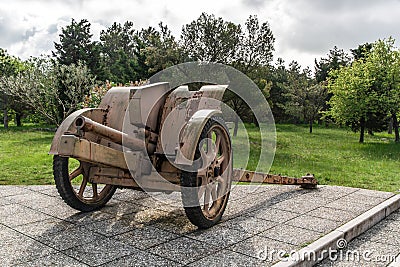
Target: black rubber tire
{"x":67,"y":192}
{"x":189,"y":183}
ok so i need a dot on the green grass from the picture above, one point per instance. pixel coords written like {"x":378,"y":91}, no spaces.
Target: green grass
{"x":23,"y":156}
{"x":333,"y":155}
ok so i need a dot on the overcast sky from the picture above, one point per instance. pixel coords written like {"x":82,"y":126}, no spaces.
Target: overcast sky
{"x":303,"y":29}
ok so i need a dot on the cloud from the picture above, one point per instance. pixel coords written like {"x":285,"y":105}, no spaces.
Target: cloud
{"x":311,"y":28}
{"x":254,"y":3}
{"x":303,"y":29}
{"x":11,"y":31}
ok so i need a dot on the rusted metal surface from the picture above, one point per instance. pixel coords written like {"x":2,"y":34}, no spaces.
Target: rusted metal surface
{"x":87,"y":125}
{"x":146,"y":104}
{"x":68,"y":125}
{"x":172,"y":119}
{"x":240,"y":175}
{"x":82,"y":149}
{"x":146,"y":138}
{"x":115,"y":102}
{"x":191,"y":134}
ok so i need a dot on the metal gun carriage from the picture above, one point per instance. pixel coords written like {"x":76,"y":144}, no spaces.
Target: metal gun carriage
{"x":152,"y":138}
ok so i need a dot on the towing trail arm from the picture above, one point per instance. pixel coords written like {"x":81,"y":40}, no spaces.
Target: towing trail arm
{"x":308,"y":181}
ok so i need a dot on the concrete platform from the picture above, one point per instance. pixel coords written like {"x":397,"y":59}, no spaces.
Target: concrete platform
{"x":261,"y":225}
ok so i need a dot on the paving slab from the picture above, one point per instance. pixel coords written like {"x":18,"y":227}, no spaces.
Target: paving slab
{"x":314,"y":224}
{"x":15,"y":248}
{"x":146,"y":236}
{"x":227,"y":258}
{"x":56,"y":259}
{"x":220,"y":237}
{"x":261,"y":225}
{"x":379,"y":246}
{"x":100,"y":251}
{"x":143,"y":259}
{"x":184,"y":250}
{"x":332,"y":245}
{"x":23,"y":217}
{"x":264,"y":249}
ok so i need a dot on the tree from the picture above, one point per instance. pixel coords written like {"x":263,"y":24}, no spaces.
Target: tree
{"x":36,"y":86}
{"x":256,"y":46}
{"x":142,"y":40}
{"x":336,"y":58}
{"x":75,"y":43}
{"x":305,"y":99}
{"x":9,"y":65}
{"x":376,"y":121}
{"x":384,"y":66}
{"x":118,"y":50}
{"x":354,"y":99}
{"x":253,"y":59}
{"x":278,"y":77}
{"x":162,"y":50}
{"x":211,"y":39}
{"x":361,"y":52}
{"x":77,"y":80}
{"x":76,"y":48}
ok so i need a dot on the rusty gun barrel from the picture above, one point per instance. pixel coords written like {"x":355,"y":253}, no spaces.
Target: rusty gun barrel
{"x":87,"y":125}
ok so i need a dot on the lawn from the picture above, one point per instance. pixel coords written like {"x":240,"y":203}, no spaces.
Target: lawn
{"x":333,"y":155}
{"x":23,"y":156}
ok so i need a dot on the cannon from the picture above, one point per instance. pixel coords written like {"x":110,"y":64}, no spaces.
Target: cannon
{"x":152,"y":138}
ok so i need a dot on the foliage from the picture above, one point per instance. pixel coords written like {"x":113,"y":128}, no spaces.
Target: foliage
{"x":76,"y":46}
{"x":211,"y":39}
{"x":336,"y":58}
{"x":368,"y":90}
{"x":361,"y":51}
{"x":118,"y":48}
{"x":76,"y":80}
{"x":126,"y":55}
{"x":36,"y":86}
{"x":352,"y":99}
{"x":277,"y":99}
{"x":10,"y":65}
{"x":305,"y":99}
{"x":384,"y":64}
{"x":162,"y":50}
{"x":255,"y":47}
{"x":215,"y":40}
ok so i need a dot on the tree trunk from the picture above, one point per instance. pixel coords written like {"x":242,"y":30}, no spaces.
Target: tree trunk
{"x":395,"y":127}
{"x":370,"y":132}
{"x":18,"y":117}
{"x":390,"y":128}
{"x":235,"y":129}
{"x":5,"y":111}
{"x":311,"y":124}
{"x":362,"y":129}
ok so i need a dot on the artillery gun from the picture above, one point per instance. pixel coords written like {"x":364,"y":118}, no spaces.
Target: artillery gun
{"x":152,"y":138}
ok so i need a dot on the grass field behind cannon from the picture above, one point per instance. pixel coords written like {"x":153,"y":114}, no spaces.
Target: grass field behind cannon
{"x":333,"y":155}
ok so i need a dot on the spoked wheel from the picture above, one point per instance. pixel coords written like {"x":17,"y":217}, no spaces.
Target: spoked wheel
{"x":75,"y":188}
{"x":205,"y":191}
